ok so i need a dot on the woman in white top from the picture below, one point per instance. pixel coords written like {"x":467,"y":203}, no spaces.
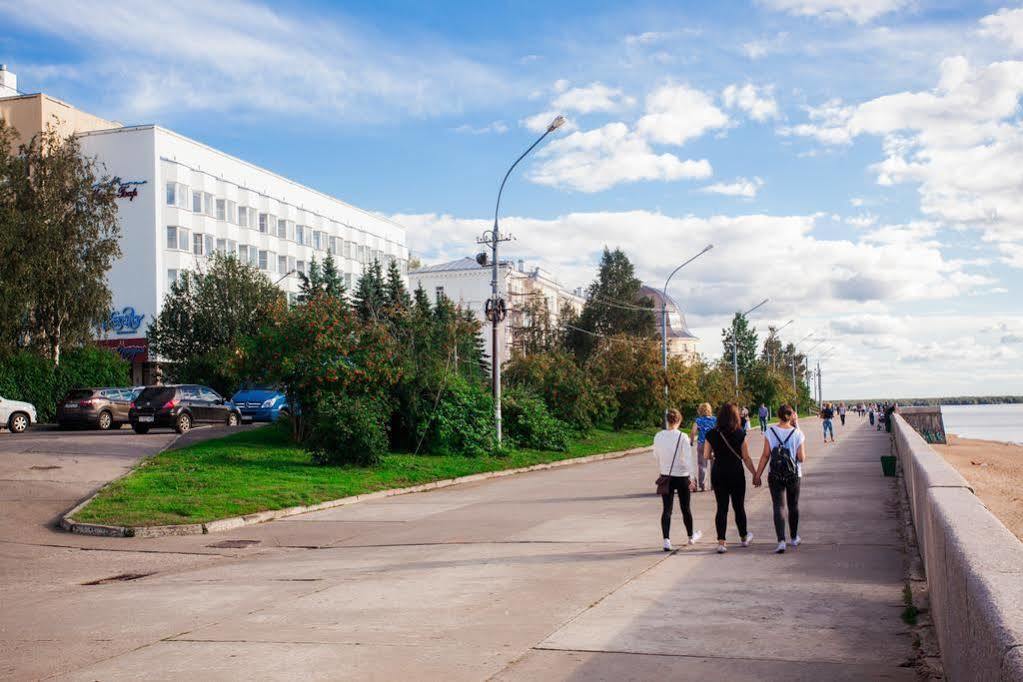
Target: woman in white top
{"x":783,"y":440}
{"x":674,"y":455}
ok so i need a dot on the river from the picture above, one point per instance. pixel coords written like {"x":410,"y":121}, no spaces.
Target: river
{"x":987,"y":422}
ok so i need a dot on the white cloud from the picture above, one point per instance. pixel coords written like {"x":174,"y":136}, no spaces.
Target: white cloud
{"x":859,"y":11}
{"x":498,"y":127}
{"x":867,"y":323}
{"x":598,"y":159}
{"x":677,"y":113}
{"x":539,"y":122}
{"x":243,"y":56}
{"x":759,"y":103}
{"x":828,"y":123}
{"x":591,"y":98}
{"x":742,"y":187}
{"x":1006,"y":25}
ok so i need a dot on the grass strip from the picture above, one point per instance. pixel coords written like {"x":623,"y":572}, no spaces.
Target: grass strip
{"x":262,"y":469}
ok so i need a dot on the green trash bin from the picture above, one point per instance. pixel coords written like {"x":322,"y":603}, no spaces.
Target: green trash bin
{"x":888,"y":464}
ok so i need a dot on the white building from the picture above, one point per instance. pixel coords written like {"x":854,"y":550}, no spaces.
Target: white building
{"x":467,"y":284}
{"x":182,"y":200}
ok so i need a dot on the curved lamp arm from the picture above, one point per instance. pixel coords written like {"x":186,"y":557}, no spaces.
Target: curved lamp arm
{"x":555,"y":124}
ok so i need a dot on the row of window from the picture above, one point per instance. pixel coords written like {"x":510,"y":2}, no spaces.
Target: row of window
{"x":225,"y":210}
{"x":177,"y":240}
{"x":173,"y":274}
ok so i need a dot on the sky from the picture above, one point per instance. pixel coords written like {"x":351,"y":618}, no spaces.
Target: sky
{"x":857,"y":162}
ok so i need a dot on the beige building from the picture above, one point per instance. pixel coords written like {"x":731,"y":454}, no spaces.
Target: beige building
{"x":30,"y":114}
{"x":466,"y":283}
{"x":681,"y":341}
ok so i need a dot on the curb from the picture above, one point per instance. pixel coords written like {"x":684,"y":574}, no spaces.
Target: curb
{"x":68,"y":523}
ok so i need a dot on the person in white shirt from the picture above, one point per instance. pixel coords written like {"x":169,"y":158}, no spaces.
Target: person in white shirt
{"x":674,"y":455}
{"x":786,"y":441}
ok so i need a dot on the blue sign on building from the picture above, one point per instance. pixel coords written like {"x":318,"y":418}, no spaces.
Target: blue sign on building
{"x":126,"y":321}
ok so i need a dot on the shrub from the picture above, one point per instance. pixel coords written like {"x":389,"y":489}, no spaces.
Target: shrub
{"x":345,"y":429}
{"x":530,"y":424}
{"x":32,"y":378}
{"x":463,"y":421}
{"x":570,"y":394}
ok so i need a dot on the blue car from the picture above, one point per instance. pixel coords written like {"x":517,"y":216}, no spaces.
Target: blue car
{"x":260,"y":403}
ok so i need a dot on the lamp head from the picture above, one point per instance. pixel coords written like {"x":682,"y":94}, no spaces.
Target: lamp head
{"x":558,"y":121}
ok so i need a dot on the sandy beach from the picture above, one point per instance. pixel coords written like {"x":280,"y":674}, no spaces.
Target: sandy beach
{"x":995,"y":470}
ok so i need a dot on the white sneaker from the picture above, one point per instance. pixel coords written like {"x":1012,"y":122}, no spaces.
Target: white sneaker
{"x":722,"y":549}
{"x":780,"y":549}
{"x":748,"y":539}
{"x":667,"y":545}
{"x":795,"y":541}
{"x":695,"y":536}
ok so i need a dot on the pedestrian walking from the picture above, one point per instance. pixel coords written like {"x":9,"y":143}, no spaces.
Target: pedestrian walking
{"x":870,"y":414}
{"x":674,"y":454}
{"x":827,"y":416}
{"x":726,"y":448}
{"x":745,"y":418}
{"x":705,"y":421}
{"x":763,"y":413}
{"x":841,"y":413}
{"x":784,"y":449}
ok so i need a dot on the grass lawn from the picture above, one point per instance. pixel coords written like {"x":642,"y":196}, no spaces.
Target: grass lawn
{"x":262,"y":469}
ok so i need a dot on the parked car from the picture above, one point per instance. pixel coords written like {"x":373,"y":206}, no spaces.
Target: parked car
{"x":16,"y":415}
{"x":261,"y":403}
{"x":180,"y":406}
{"x":102,"y":408}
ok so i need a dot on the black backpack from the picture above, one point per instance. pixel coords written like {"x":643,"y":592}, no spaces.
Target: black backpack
{"x":783,"y":465}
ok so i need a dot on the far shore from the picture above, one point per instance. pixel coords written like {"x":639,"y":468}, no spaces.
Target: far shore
{"x":994,"y":471}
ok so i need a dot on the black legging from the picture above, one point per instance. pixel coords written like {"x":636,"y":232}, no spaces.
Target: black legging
{"x":730,"y":487}
{"x":680,"y":484}
{"x":790,"y":500}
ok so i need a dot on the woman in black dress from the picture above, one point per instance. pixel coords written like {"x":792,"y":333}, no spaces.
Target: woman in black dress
{"x":726,"y":448}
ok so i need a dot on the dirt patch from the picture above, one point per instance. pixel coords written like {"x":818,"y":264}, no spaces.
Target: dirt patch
{"x":995,"y":471}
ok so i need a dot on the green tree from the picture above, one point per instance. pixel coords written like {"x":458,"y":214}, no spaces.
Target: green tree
{"x":746,"y":346}
{"x":205,"y":315}
{"x":772,"y":349}
{"x":395,"y":293}
{"x":536,"y":334}
{"x":629,"y":368}
{"x":611,"y":305}
{"x":59,"y":236}
{"x":323,"y":277}
{"x":370,"y":293}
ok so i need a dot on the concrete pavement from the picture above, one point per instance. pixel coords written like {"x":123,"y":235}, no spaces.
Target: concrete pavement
{"x":552,"y":575}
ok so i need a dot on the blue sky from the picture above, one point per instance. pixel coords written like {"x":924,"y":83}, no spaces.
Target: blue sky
{"x":858,"y":161}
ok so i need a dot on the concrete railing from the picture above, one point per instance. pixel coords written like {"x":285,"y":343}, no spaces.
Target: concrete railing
{"x":974,"y":566}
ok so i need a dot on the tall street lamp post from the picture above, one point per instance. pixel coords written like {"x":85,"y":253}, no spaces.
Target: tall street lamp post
{"x":664,"y":326}
{"x":496,"y":309}
{"x":774,"y":364}
{"x":735,"y":345}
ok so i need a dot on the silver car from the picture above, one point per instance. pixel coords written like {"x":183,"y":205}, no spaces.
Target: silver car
{"x":16,"y":415}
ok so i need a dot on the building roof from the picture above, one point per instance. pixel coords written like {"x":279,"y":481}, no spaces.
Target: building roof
{"x":453,"y":266}
{"x":682,"y":331}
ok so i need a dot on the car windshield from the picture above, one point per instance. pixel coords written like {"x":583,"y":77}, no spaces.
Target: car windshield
{"x":156,"y":394}
{"x":79,"y":394}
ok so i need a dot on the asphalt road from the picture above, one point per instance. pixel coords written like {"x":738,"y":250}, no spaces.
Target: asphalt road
{"x":548,"y":575}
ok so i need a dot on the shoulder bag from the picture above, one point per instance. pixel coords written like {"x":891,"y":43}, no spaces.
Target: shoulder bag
{"x":663,"y":481}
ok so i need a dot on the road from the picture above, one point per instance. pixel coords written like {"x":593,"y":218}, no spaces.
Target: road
{"x":549,"y":575}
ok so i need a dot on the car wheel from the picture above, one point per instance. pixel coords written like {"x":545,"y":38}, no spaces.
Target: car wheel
{"x":232,"y":419}
{"x":105,"y":421}
{"x":140,"y":429}
{"x":18,"y":423}
{"x":183,"y":423}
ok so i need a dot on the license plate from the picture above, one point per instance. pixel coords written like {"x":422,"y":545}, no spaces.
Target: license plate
{"x":145,"y":418}
{"x":70,"y":406}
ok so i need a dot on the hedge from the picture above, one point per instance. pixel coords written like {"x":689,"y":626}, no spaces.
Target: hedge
{"x":31,"y":378}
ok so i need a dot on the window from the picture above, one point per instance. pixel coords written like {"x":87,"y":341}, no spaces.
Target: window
{"x":243,"y":216}
{"x":319,"y":241}
{"x":171,"y":188}
{"x":172,"y":237}
{"x":172,"y":277}
{"x":291,"y":264}
{"x":300,"y":266}
{"x":232,"y":212}
{"x":263,"y":260}
{"x":349,"y":280}
{"x":232,"y":247}
{"x":210,"y":245}
{"x":197,"y":242}
{"x":210,"y":204}
{"x":282,"y":228}
{"x":207,"y":395}
{"x":263,"y":223}
{"x":222,"y":245}
{"x":332,"y":245}
{"x":177,"y":195}
{"x":253,"y":257}
{"x":347,"y":249}
{"x":243,"y":253}
{"x":177,"y":238}
{"x":439,"y":293}
{"x":300,"y":234}
{"x":196,"y":202}
{"x":221,"y":209}
{"x":282,"y":264}
{"x":183,"y":242}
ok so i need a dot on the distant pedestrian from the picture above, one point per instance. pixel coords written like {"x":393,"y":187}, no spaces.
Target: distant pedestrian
{"x":841,"y":413}
{"x":674,"y":455}
{"x":744,"y":419}
{"x":784,"y":449}
{"x":704,"y":423}
{"x":763,"y":413}
{"x":827,"y":416}
{"x":726,"y":447}
{"x":870,"y":414}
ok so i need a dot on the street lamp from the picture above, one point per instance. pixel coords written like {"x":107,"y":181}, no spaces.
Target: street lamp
{"x":664,"y":326}
{"x":286,"y":275}
{"x":496,"y":309}
{"x":776,"y":330}
{"x":735,"y":345}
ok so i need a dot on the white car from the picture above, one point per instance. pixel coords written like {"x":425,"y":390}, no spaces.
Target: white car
{"x":16,"y":415}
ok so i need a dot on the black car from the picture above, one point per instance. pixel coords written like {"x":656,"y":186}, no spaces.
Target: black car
{"x":180,"y":406}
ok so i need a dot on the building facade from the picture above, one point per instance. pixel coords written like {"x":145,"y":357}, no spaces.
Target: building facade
{"x":681,"y":341}
{"x":468,"y":284}
{"x":180,"y":201}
